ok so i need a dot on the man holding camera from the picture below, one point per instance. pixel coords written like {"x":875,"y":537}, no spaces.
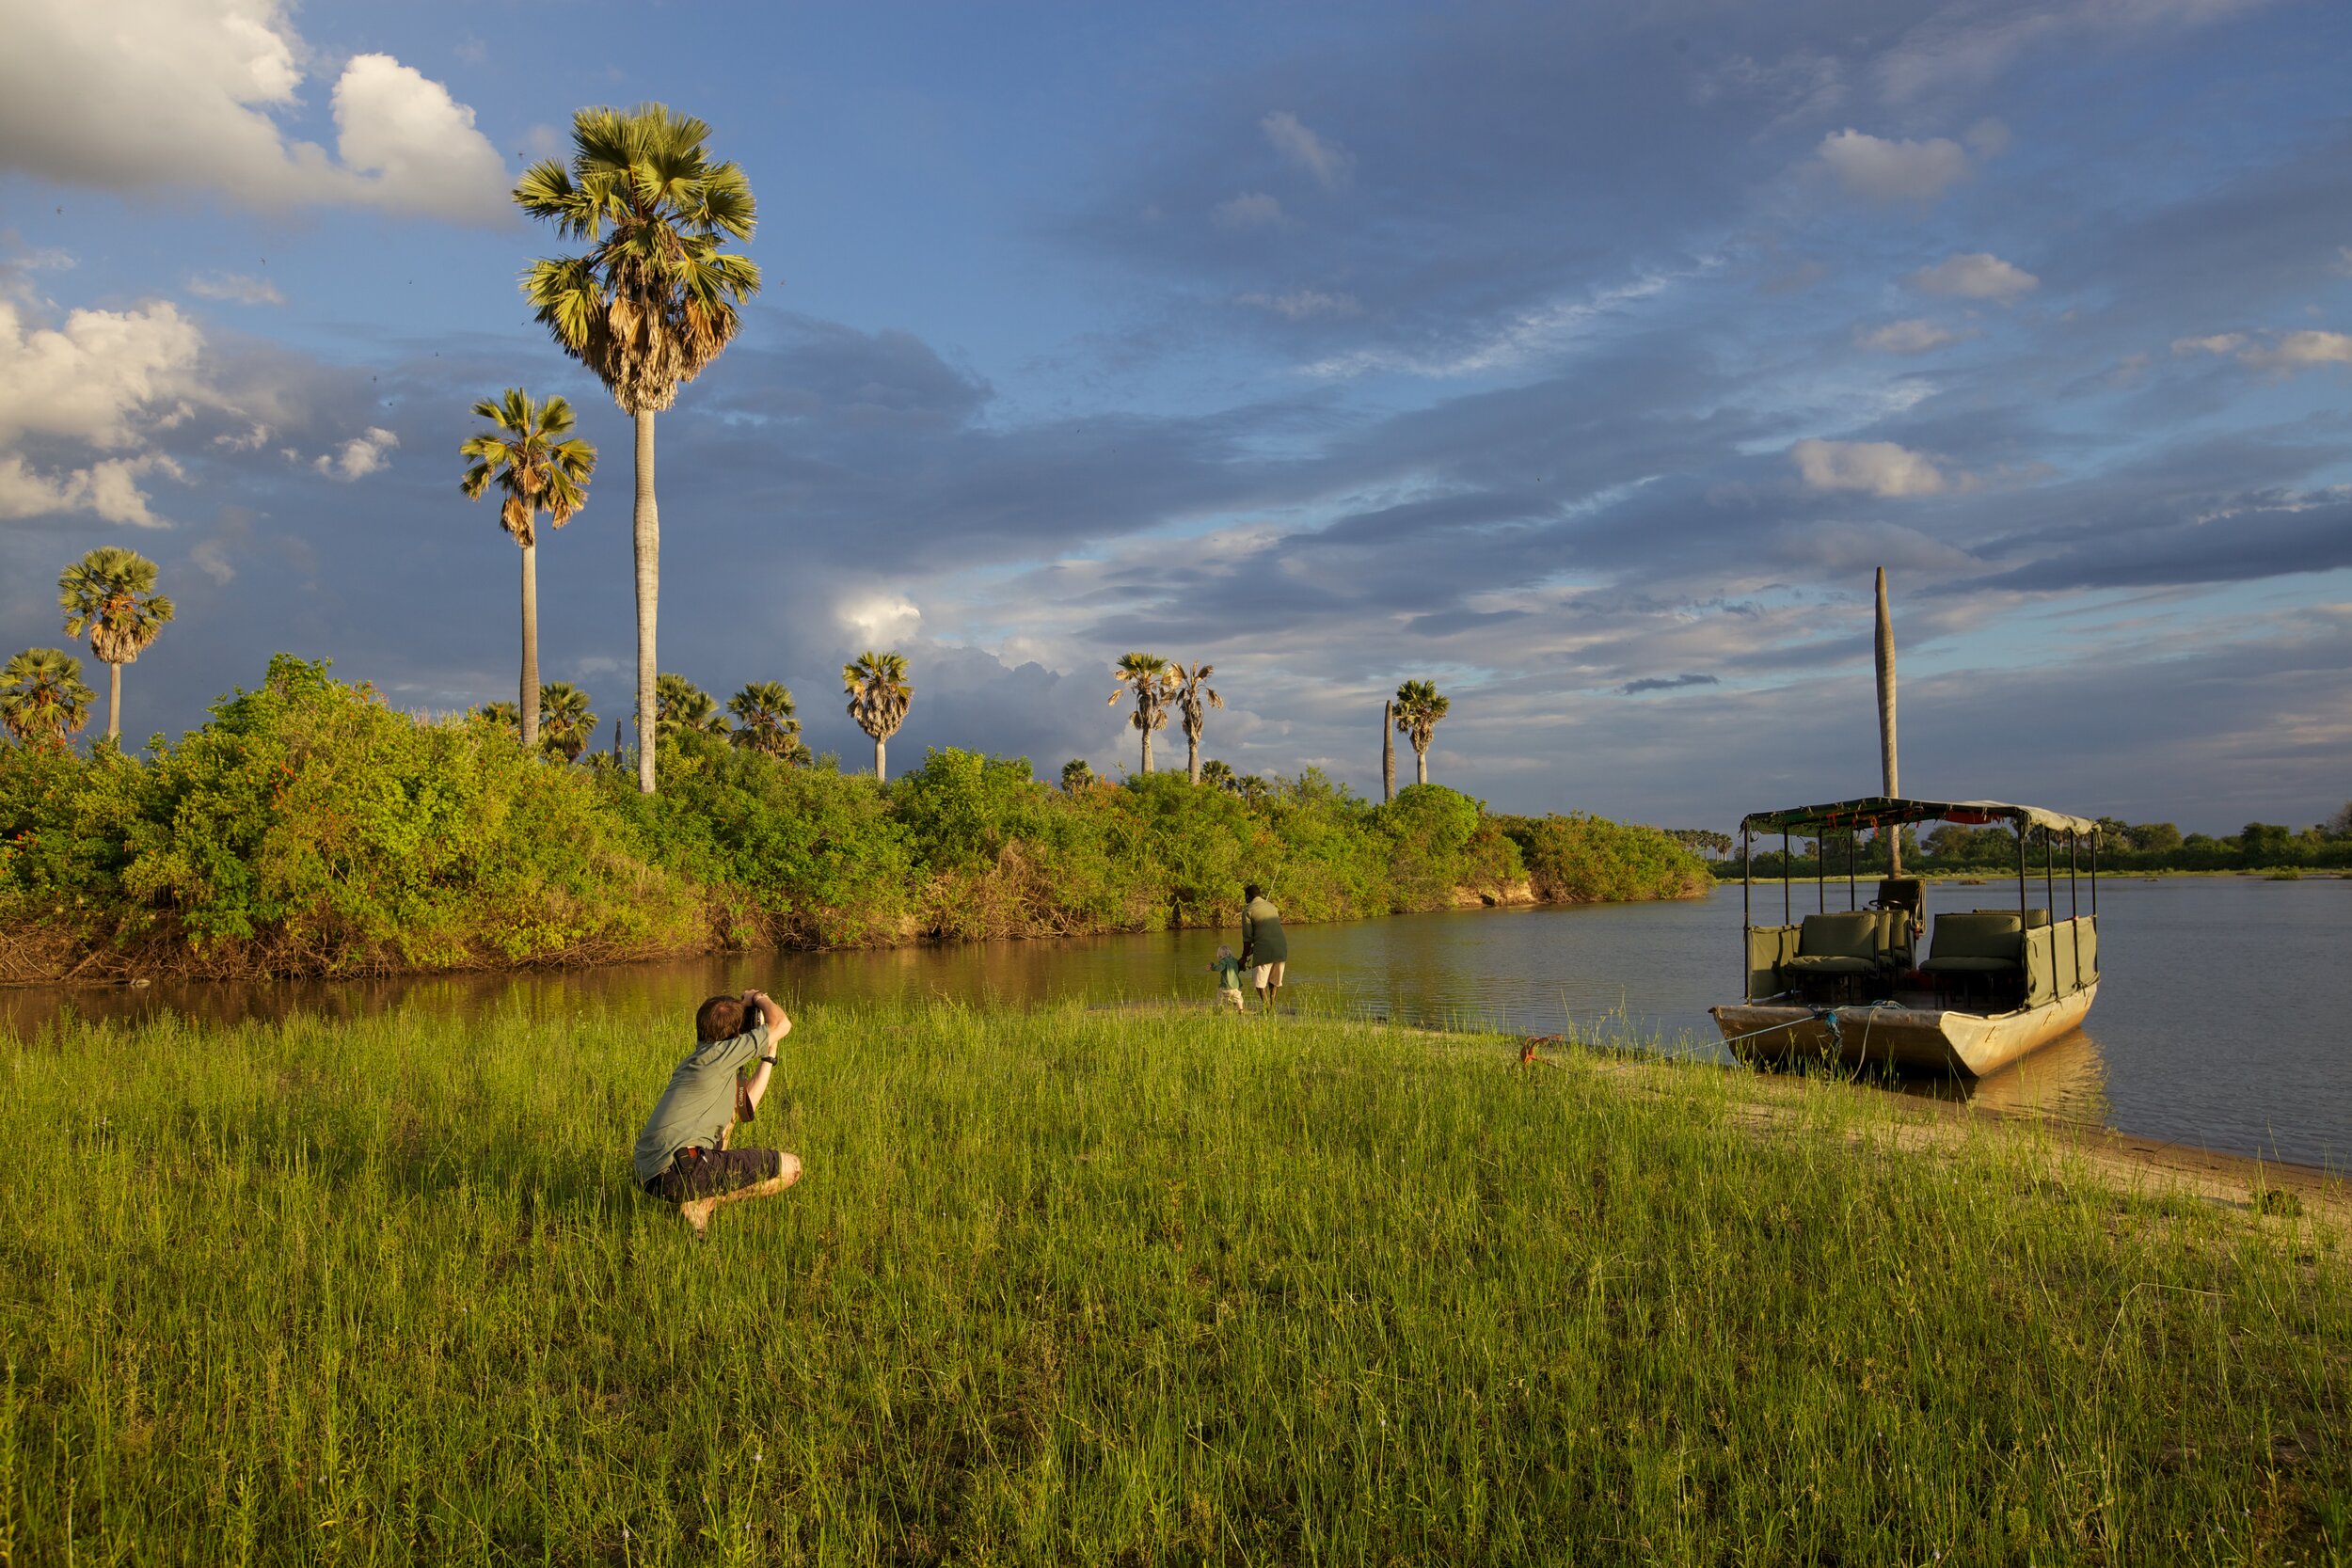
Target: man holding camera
{"x":682,"y":1156}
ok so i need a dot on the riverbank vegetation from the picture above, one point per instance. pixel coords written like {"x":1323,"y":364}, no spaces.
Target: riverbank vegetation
{"x":308,"y":828}
{"x":1082,"y":1285}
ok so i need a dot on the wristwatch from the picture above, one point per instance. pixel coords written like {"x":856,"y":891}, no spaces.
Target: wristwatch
{"x":766,"y":1061}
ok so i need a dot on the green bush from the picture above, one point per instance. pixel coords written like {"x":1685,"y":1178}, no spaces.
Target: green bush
{"x":307,"y":828}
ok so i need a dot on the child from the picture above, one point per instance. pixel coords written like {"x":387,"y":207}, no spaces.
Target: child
{"x":1228,"y":969}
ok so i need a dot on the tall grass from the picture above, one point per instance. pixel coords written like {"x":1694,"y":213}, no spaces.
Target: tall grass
{"x":1087,"y":1286}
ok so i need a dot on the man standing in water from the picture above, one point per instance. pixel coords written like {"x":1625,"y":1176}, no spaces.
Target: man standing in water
{"x":682,"y":1156}
{"x":1262,"y":944}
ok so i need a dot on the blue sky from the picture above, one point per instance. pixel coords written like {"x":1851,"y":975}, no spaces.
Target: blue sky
{"x":1585,"y":359}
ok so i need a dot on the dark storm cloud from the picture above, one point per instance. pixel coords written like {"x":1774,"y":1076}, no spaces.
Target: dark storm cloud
{"x":1666,"y":683}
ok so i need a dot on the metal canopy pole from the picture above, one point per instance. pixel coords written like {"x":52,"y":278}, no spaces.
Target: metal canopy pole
{"x":1785,"y":918}
{"x":1854,"y":847}
{"x":2073,"y":902}
{"x":1747,"y":917}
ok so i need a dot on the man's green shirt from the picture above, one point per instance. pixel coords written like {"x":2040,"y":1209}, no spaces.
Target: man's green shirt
{"x":1261,"y":935}
{"x":698,"y":1107}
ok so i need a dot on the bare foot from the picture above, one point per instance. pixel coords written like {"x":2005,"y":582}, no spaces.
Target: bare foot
{"x":696,"y":1213}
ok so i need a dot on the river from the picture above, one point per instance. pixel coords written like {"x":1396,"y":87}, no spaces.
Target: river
{"x":2221,"y":1019}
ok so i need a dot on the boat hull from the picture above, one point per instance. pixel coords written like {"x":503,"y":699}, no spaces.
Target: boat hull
{"x":1909,"y":1039}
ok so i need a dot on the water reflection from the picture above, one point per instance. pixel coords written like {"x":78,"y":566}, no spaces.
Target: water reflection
{"x":2217,"y":1021}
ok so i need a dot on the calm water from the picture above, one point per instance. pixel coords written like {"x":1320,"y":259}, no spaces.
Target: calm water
{"x":2220,"y":1021}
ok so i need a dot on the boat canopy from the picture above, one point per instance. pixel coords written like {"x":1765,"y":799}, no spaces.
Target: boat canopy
{"x":1883,"y":811}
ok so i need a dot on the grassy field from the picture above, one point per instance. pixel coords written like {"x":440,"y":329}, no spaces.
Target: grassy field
{"x":1067,"y":1286}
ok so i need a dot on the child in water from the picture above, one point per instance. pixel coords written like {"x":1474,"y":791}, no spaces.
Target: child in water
{"x":1228,"y":969}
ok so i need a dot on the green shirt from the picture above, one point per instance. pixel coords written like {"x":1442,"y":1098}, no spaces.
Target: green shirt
{"x":1261,"y":933}
{"x":698,"y":1107}
{"x":1228,"y":973}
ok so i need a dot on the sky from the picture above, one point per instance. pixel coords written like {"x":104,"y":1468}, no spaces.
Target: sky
{"x":1582,"y":359}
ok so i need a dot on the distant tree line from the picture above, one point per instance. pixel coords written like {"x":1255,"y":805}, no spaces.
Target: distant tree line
{"x":1951,"y":847}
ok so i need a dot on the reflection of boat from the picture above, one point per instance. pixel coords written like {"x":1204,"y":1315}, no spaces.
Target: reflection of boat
{"x":1850,"y":986}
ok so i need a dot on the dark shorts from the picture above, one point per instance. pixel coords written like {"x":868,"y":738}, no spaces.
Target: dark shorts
{"x":706,"y":1173}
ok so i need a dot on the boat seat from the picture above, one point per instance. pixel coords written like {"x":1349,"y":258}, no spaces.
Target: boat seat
{"x":2035,"y":919}
{"x":1985,"y":943}
{"x":1843,"y":944}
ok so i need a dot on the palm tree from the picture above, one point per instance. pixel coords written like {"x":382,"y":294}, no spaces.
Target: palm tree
{"x":110,"y":594}
{"x":1418,"y":709}
{"x":567,"y":722}
{"x":525,"y":451}
{"x":499,"y":716}
{"x":679,"y":705}
{"x":879,"y":697}
{"x":655,"y":299}
{"x":765,"y":721}
{"x":1149,"y":680}
{"x":42,"y":699}
{"x":1189,"y":691}
{"x":1218,"y":775}
{"x":1075,"y":775}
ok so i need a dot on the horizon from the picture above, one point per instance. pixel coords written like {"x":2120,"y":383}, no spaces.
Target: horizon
{"x":1586,"y":365}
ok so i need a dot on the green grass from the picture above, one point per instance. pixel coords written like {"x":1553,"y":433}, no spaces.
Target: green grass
{"x":1073,"y":1286}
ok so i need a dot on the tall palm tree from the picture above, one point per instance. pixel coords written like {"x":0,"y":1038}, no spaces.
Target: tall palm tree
{"x":877,"y":697}
{"x":526,"y":452}
{"x":1418,"y":709}
{"x":655,"y":299}
{"x":42,"y":699}
{"x":1148,"y":679}
{"x":110,"y":593}
{"x":1191,"y":695}
{"x":679,"y":704}
{"x":567,"y":722}
{"x":1075,"y":775}
{"x":765,"y":723}
{"x":880,"y":694}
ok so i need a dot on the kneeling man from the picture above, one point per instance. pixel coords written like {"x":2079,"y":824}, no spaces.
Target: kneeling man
{"x":682,"y":1156}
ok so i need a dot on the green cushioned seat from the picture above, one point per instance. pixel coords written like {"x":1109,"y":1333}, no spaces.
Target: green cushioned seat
{"x":2035,"y":919}
{"x":1851,"y":935}
{"x":1970,"y":966}
{"x":1984,"y":942}
{"x":1824,"y":963}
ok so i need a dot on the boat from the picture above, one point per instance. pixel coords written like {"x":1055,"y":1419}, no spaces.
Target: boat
{"x":1856,"y":987}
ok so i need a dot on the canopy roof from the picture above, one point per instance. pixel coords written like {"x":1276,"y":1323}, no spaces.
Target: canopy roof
{"x":1882,"y":810}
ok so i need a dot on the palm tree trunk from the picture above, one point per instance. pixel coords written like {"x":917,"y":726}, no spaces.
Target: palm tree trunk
{"x":528,"y":706}
{"x":114,"y":702}
{"x":648,"y":536}
{"x":880,"y":775}
{"x":1387,"y":750}
{"x":1192,"y":757}
{"x":1421,"y":764}
{"x":1146,"y":751}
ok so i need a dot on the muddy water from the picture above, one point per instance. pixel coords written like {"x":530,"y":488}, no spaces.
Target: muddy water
{"x":2220,"y":1021}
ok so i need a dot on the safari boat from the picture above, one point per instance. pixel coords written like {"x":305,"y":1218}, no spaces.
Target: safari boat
{"x":1858,"y":988}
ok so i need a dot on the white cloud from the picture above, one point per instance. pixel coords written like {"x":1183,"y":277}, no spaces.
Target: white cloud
{"x":360,"y":456}
{"x":2219,"y":342}
{"x":1249,"y":209}
{"x":1974,"y":275}
{"x":1873,"y":468}
{"x":1916,"y":335}
{"x":236,"y":287}
{"x":1301,"y":303}
{"x":1878,"y":169}
{"x":1530,"y":334}
{"x":1331,"y":165}
{"x":141,"y":94}
{"x":878,"y":620}
{"x":108,"y":488}
{"x":104,"y":379}
{"x":2300,"y":351}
